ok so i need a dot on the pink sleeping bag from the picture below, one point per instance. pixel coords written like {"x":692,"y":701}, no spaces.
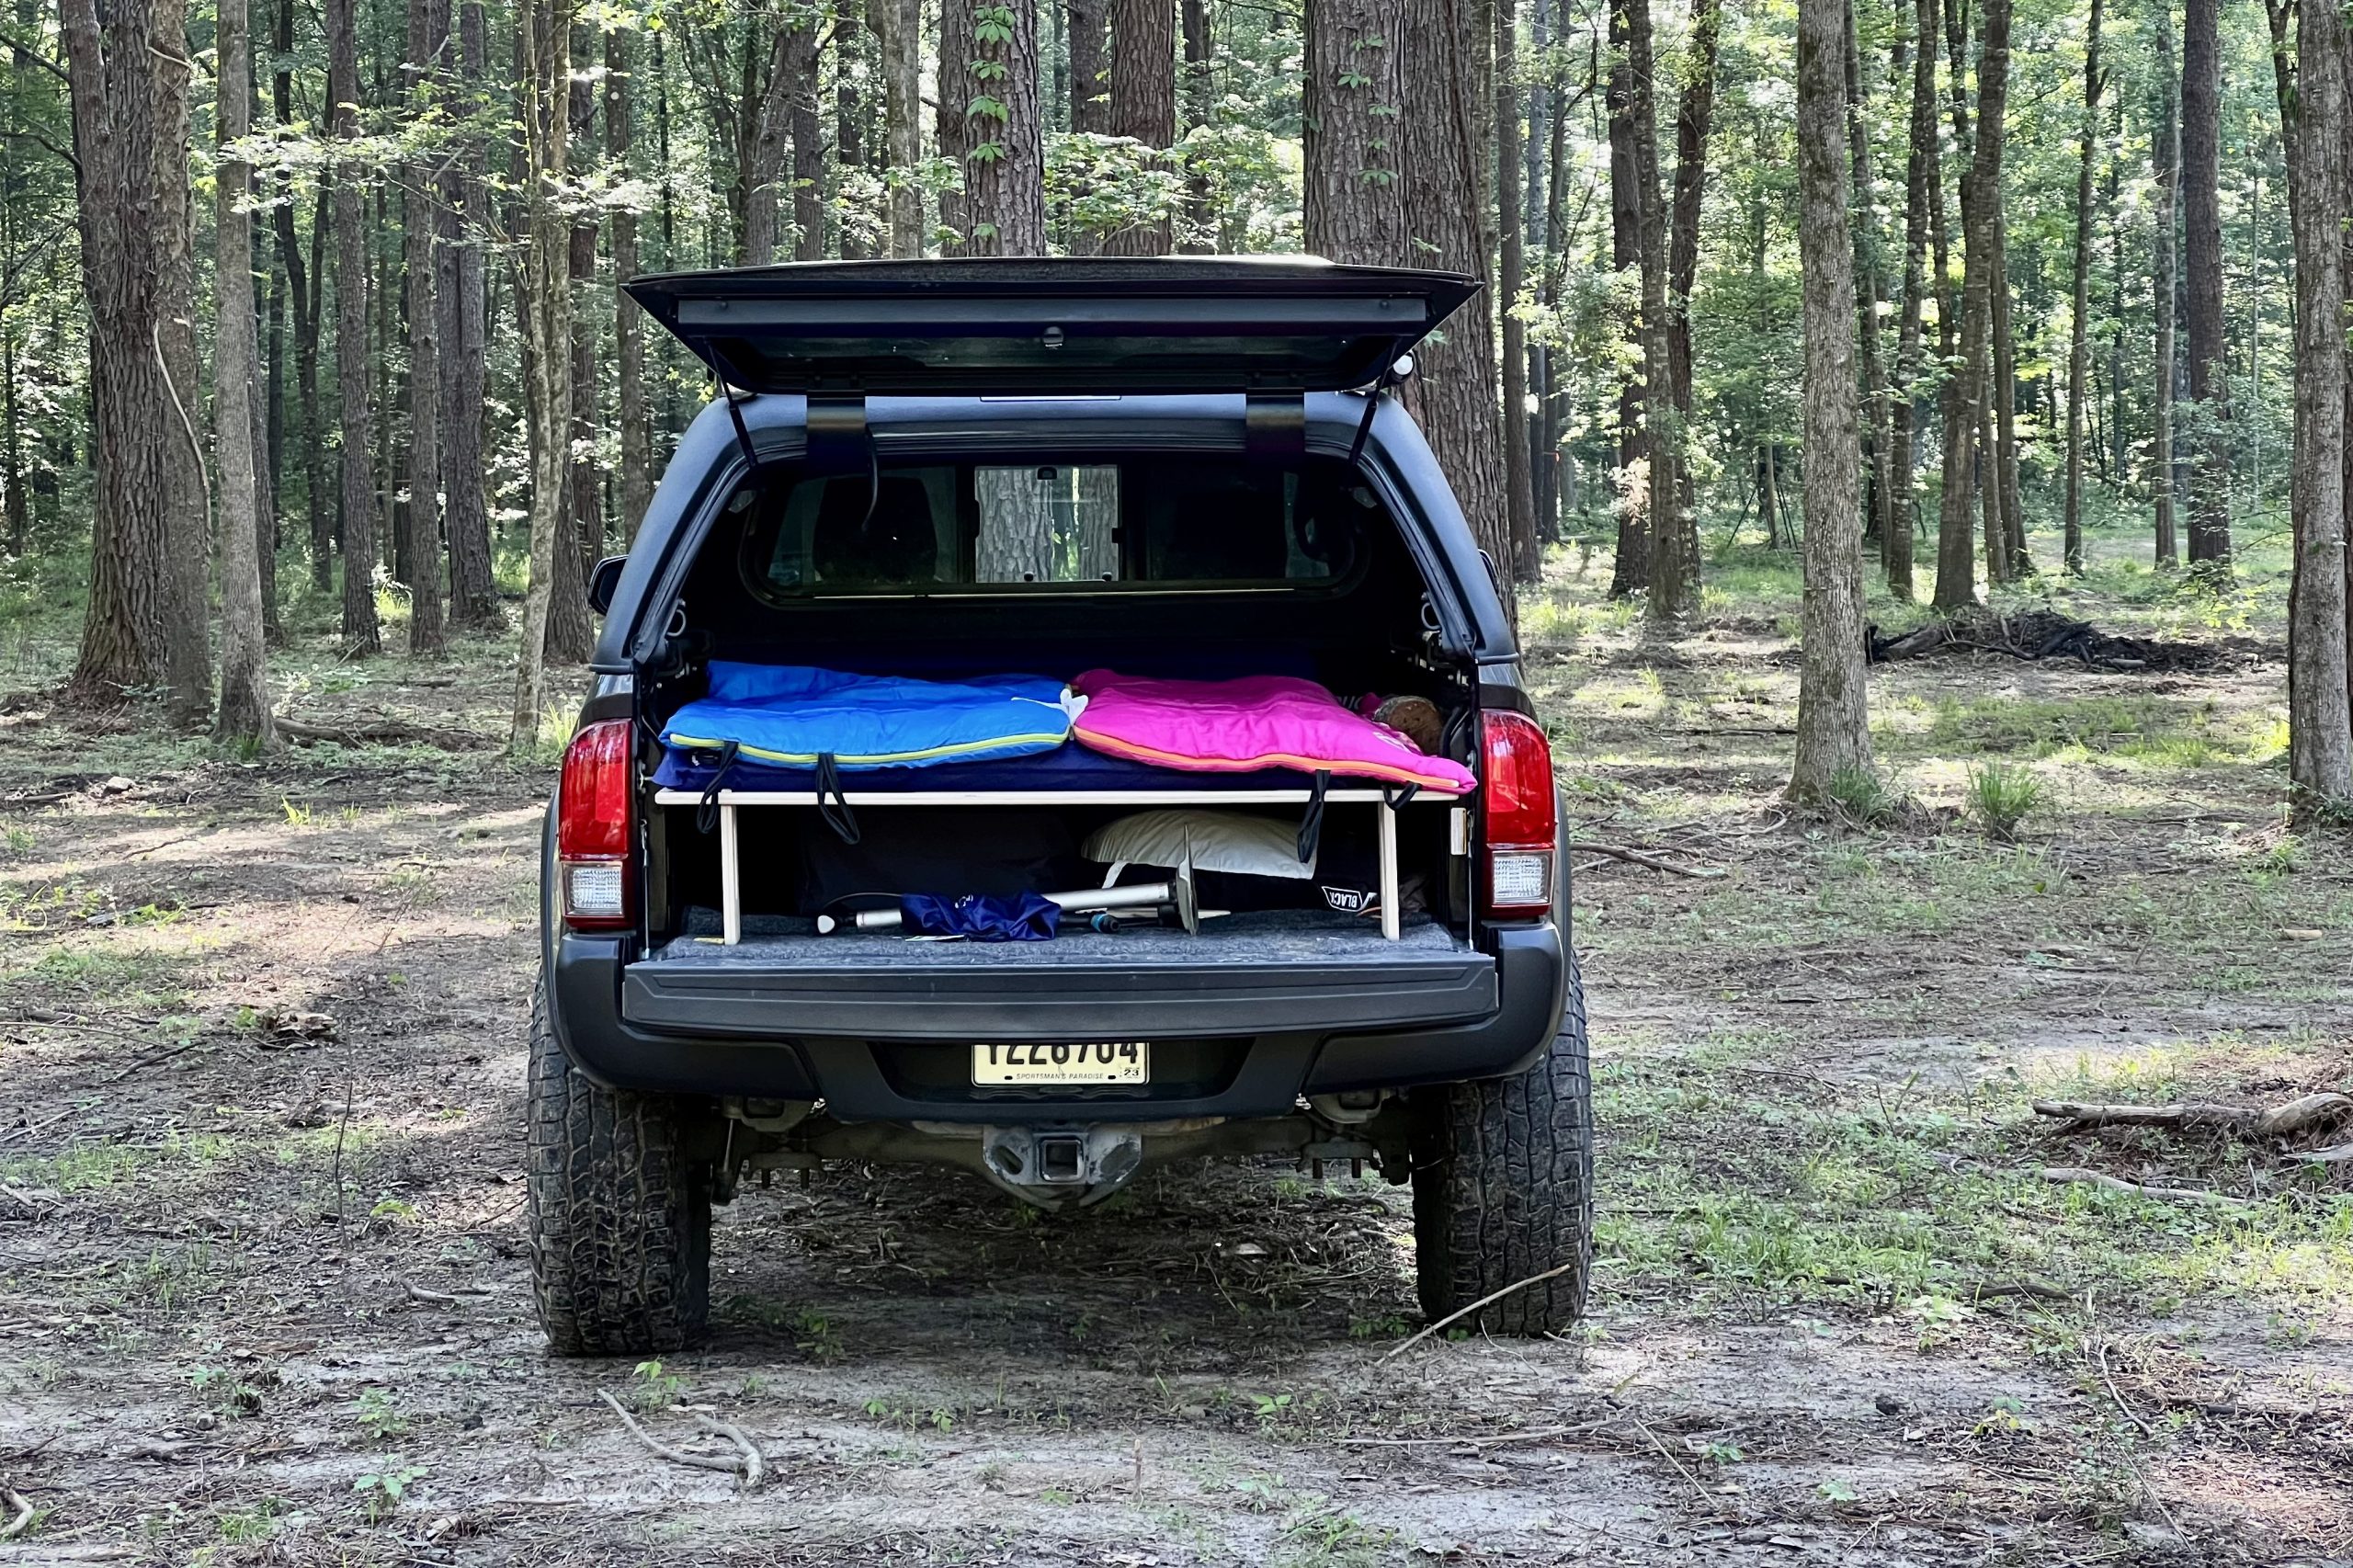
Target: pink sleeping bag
{"x":1234,"y":726}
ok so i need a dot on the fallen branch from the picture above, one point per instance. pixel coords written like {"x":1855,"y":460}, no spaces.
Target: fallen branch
{"x":2279,"y":1121}
{"x":1538,"y":1435}
{"x":1618,"y":852}
{"x":386,"y":732}
{"x":21,"y":1509}
{"x":149,"y":1060}
{"x":2334,"y":1156}
{"x":441,"y":1298}
{"x":2142,"y":1189}
{"x":1489,"y":1299}
{"x":735,"y":1435}
{"x":732,"y":1465}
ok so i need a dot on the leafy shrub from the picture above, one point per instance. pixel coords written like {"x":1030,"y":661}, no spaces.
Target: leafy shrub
{"x":2001,"y":797}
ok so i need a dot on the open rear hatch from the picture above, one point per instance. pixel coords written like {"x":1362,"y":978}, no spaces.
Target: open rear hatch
{"x":1057,"y":327}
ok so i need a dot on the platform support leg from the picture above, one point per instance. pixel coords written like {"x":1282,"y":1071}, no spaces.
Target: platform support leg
{"x":1389,"y":914}
{"x":730,"y":880}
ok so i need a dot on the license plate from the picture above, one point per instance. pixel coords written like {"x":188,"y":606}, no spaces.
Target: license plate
{"x":1105,"y":1061}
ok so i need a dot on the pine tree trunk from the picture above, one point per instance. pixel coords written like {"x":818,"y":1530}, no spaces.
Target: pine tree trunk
{"x":1631,"y":568}
{"x":1895,"y":544}
{"x":1143,"y":103}
{"x":544,"y":47}
{"x":129,"y":639}
{"x":1867,"y":275}
{"x":2165,"y":157}
{"x":952,"y":120}
{"x":360,"y":633}
{"x":1090,"y":100}
{"x":1199,"y":95}
{"x":1006,"y":160}
{"x":1551,"y":462}
{"x":1968,"y":416}
{"x":629,"y":320}
{"x":2015,"y":562}
{"x":172,"y":231}
{"x":898,"y":32}
{"x":474,"y":591}
{"x":1674,"y":567}
{"x":770,"y":143}
{"x":803,"y":50}
{"x":2320,"y":725}
{"x":1355,"y":193}
{"x":1834,"y":732}
{"x":428,"y":41}
{"x":1694,"y":118}
{"x":2201,"y":146}
{"x":2079,"y":343}
{"x":1526,"y":561}
{"x":245,"y":689}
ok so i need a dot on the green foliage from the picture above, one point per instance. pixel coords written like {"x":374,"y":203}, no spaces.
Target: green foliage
{"x":381,"y":1490}
{"x":1862,"y":796}
{"x":2002,"y":797}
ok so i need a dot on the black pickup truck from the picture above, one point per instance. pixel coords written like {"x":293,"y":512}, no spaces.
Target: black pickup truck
{"x":1187,"y":467}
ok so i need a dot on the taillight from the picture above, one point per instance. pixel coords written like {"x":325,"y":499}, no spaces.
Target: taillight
{"x":592,"y":827}
{"x":1521,"y":814}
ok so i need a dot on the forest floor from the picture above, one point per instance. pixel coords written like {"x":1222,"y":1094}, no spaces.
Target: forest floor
{"x":263,"y":1283}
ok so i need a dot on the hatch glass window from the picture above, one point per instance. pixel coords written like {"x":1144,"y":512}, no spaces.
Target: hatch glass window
{"x":1090,"y":527}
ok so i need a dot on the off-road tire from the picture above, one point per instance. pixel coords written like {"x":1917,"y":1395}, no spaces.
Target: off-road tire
{"x":1503,"y":1188}
{"x":621,"y":1216}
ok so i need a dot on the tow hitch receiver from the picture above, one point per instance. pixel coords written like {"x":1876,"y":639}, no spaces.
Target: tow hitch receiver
{"x":1061,"y":1166}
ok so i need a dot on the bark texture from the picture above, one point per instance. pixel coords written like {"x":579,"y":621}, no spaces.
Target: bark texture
{"x":1090,"y":102}
{"x":1833,"y":735}
{"x":2079,"y":339}
{"x":360,"y":633}
{"x":2165,"y":159}
{"x":473,"y":592}
{"x":898,"y":35}
{"x":428,"y":38}
{"x":1673,"y":541}
{"x":1005,"y":162}
{"x":1526,"y":559}
{"x":2320,"y":728}
{"x":1143,"y":103}
{"x":1452,"y":391}
{"x":1919,"y":186}
{"x":134,"y":633}
{"x":1355,"y":192}
{"x":543,"y":47}
{"x":2202,"y":212}
{"x":244,"y":714}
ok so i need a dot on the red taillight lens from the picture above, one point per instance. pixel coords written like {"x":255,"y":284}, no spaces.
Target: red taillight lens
{"x":592,"y":826}
{"x":1520,"y":811}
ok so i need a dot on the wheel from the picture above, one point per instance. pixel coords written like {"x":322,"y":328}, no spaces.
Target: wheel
{"x":1503,"y":1188}
{"x":620,"y":1216}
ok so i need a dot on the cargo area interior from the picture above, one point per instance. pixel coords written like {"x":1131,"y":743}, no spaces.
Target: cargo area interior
{"x":1194,"y":566}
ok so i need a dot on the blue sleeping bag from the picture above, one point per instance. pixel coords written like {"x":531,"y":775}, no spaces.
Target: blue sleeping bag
{"x":793,"y":715}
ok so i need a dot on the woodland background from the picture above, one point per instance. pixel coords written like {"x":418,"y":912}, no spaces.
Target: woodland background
{"x":326,"y":295}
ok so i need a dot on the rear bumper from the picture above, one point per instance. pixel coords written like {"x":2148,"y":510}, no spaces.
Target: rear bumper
{"x":887,"y":1043}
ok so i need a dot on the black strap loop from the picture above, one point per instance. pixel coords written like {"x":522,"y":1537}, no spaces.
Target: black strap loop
{"x":706,"y":809}
{"x":835,"y":812}
{"x":1311,"y":822}
{"x":1398,"y":799}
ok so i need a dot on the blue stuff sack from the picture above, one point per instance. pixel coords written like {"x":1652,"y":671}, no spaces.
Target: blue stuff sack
{"x":1023,"y":918}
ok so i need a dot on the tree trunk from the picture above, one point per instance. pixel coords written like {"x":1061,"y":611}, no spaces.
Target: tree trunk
{"x":2015,"y":562}
{"x":2320,"y":726}
{"x":1631,"y":568}
{"x":2164,"y":158}
{"x":803,"y":49}
{"x":1199,"y":99}
{"x":765,"y":148}
{"x":544,"y":47}
{"x":473,"y":592}
{"x":1526,"y":561}
{"x":898,"y":35}
{"x":1090,"y":102}
{"x":428,"y":41}
{"x":952,"y":119}
{"x":1352,"y":96}
{"x":1143,"y":103}
{"x":1968,"y":416}
{"x":360,"y":633}
{"x":1442,"y":167}
{"x":1866,"y":273}
{"x":302,"y":290}
{"x":2080,"y":341}
{"x":2201,"y":147}
{"x":133,"y":631}
{"x":172,"y":233}
{"x":1694,"y":118}
{"x":1004,"y":164}
{"x":629,"y":320}
{"x":244,"y":714}
{"x":1675,"y":565}
{"x":1834,"y":732}
{"x":1549,"y":465}
{"x":1896,"y":542}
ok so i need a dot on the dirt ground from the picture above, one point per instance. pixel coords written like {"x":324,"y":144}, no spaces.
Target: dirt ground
{"x":263,"y":1282}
